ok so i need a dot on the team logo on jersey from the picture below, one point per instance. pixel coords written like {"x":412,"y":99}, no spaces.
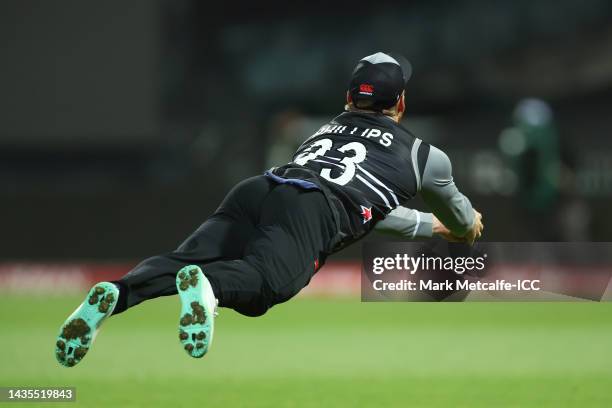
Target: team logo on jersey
{"x":366,"y":213}
{"x":366,"y":89}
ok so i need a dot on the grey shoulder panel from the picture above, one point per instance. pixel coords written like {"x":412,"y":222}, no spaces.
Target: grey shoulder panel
{"x":419,"y":156}
{"x":415,"y":164}
{"x":438,"y":168}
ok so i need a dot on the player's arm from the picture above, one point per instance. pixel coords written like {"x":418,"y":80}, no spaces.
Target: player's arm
{"x":406,"y":223}
{"x":442,"y":196}
{"x":412,"y":224}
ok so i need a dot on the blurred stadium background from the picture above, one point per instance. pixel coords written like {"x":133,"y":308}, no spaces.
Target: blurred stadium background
{"x":123,"y":125}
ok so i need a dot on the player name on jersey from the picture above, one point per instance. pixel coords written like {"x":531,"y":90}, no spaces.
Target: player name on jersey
{"x":384,"y":138}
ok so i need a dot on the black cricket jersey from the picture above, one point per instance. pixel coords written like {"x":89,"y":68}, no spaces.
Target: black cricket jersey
{"x":365,"y":163}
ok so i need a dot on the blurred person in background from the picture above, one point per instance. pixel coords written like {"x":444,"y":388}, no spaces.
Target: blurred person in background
{"x":533,"y":150}
{"x":273,"y":232}
{"x":532,"y":147}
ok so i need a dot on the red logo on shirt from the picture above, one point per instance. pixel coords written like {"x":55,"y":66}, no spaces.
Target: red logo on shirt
{"x":366,"y":213}
{"x":366,"y":89}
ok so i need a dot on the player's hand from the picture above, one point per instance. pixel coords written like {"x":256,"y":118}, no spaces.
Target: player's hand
{"x":476,"y":230}
{"x":441,"y":230}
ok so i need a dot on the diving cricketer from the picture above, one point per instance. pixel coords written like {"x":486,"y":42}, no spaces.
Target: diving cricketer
{"x":272,"y":232}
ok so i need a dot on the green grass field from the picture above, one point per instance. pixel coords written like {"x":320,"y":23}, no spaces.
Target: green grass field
{"x":313,"y":353}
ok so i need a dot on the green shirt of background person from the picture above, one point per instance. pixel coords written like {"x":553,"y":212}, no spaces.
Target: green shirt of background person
{"x":532,"y":149}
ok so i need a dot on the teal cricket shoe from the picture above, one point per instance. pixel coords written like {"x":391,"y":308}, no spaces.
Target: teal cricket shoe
{"x":198,"y":311}
{"x":78,"y":332}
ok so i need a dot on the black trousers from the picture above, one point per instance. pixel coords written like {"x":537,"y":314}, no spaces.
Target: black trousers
{"x":260,"y":248}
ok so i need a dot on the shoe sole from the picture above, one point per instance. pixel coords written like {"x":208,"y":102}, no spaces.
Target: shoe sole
{"x":196,"y":322}
{"x":78,"y":332}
